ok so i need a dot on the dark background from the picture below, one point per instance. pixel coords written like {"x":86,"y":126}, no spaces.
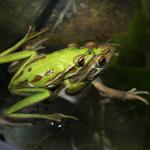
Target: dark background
{"x":114,"y":125}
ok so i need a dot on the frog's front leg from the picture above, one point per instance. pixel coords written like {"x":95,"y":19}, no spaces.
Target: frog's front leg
{"x":74,"y":87}
{"x":117,"y":94}
{"x":37,"y":95}
{"x":69,"y":89}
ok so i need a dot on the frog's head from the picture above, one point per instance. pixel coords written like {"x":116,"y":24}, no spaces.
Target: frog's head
{"x":93,"y":62}
{"x":100,"y":61}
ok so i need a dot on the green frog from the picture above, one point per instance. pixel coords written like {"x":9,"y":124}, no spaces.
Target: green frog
{"x":42,"y":76}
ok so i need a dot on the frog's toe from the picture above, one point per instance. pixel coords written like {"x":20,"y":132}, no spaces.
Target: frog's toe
{"x":142,"y":92}
{"x":142,"y":99}
{"x":36,"y":45}
{"x":133,"y":94}
{"x":59,"y":116}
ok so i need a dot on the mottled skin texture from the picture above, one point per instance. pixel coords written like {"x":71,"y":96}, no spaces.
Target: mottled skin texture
{"x":41,"y":73}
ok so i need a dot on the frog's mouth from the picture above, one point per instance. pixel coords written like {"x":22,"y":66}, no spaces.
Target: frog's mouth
{"x":93,"y":74}
{"x":91,"y":70}
{"x":100,"y":62}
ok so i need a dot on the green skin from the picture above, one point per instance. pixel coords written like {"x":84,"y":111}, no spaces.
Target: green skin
{"x":41,"y":73}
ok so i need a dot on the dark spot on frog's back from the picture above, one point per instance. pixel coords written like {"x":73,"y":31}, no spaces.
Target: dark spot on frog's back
{"x":37,"y":78}
{"x":37,"y":59}
{"x":49,"y":72}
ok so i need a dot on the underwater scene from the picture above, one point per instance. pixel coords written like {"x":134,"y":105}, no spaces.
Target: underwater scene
{"x":74,"y":75}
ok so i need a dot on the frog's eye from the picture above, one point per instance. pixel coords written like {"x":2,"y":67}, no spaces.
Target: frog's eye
{"x":80,"y":61}
{"x":101,"y":62}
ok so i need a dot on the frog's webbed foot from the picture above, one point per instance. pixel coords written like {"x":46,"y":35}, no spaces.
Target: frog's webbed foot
{"x":36,"y":45}
{"x":132,"y":94}
{"x":29,"y":37}
{"x":32,"y":33}
{"x":35,"y":40}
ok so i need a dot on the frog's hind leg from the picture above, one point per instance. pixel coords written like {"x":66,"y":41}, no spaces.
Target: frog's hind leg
{"x":37,"y":95}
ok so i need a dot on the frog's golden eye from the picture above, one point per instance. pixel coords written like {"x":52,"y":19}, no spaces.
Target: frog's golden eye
{"x":101,"y":62}
{"x":80,"y":61}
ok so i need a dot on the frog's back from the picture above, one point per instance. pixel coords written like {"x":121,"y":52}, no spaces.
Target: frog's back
{"x":44,"y":68}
